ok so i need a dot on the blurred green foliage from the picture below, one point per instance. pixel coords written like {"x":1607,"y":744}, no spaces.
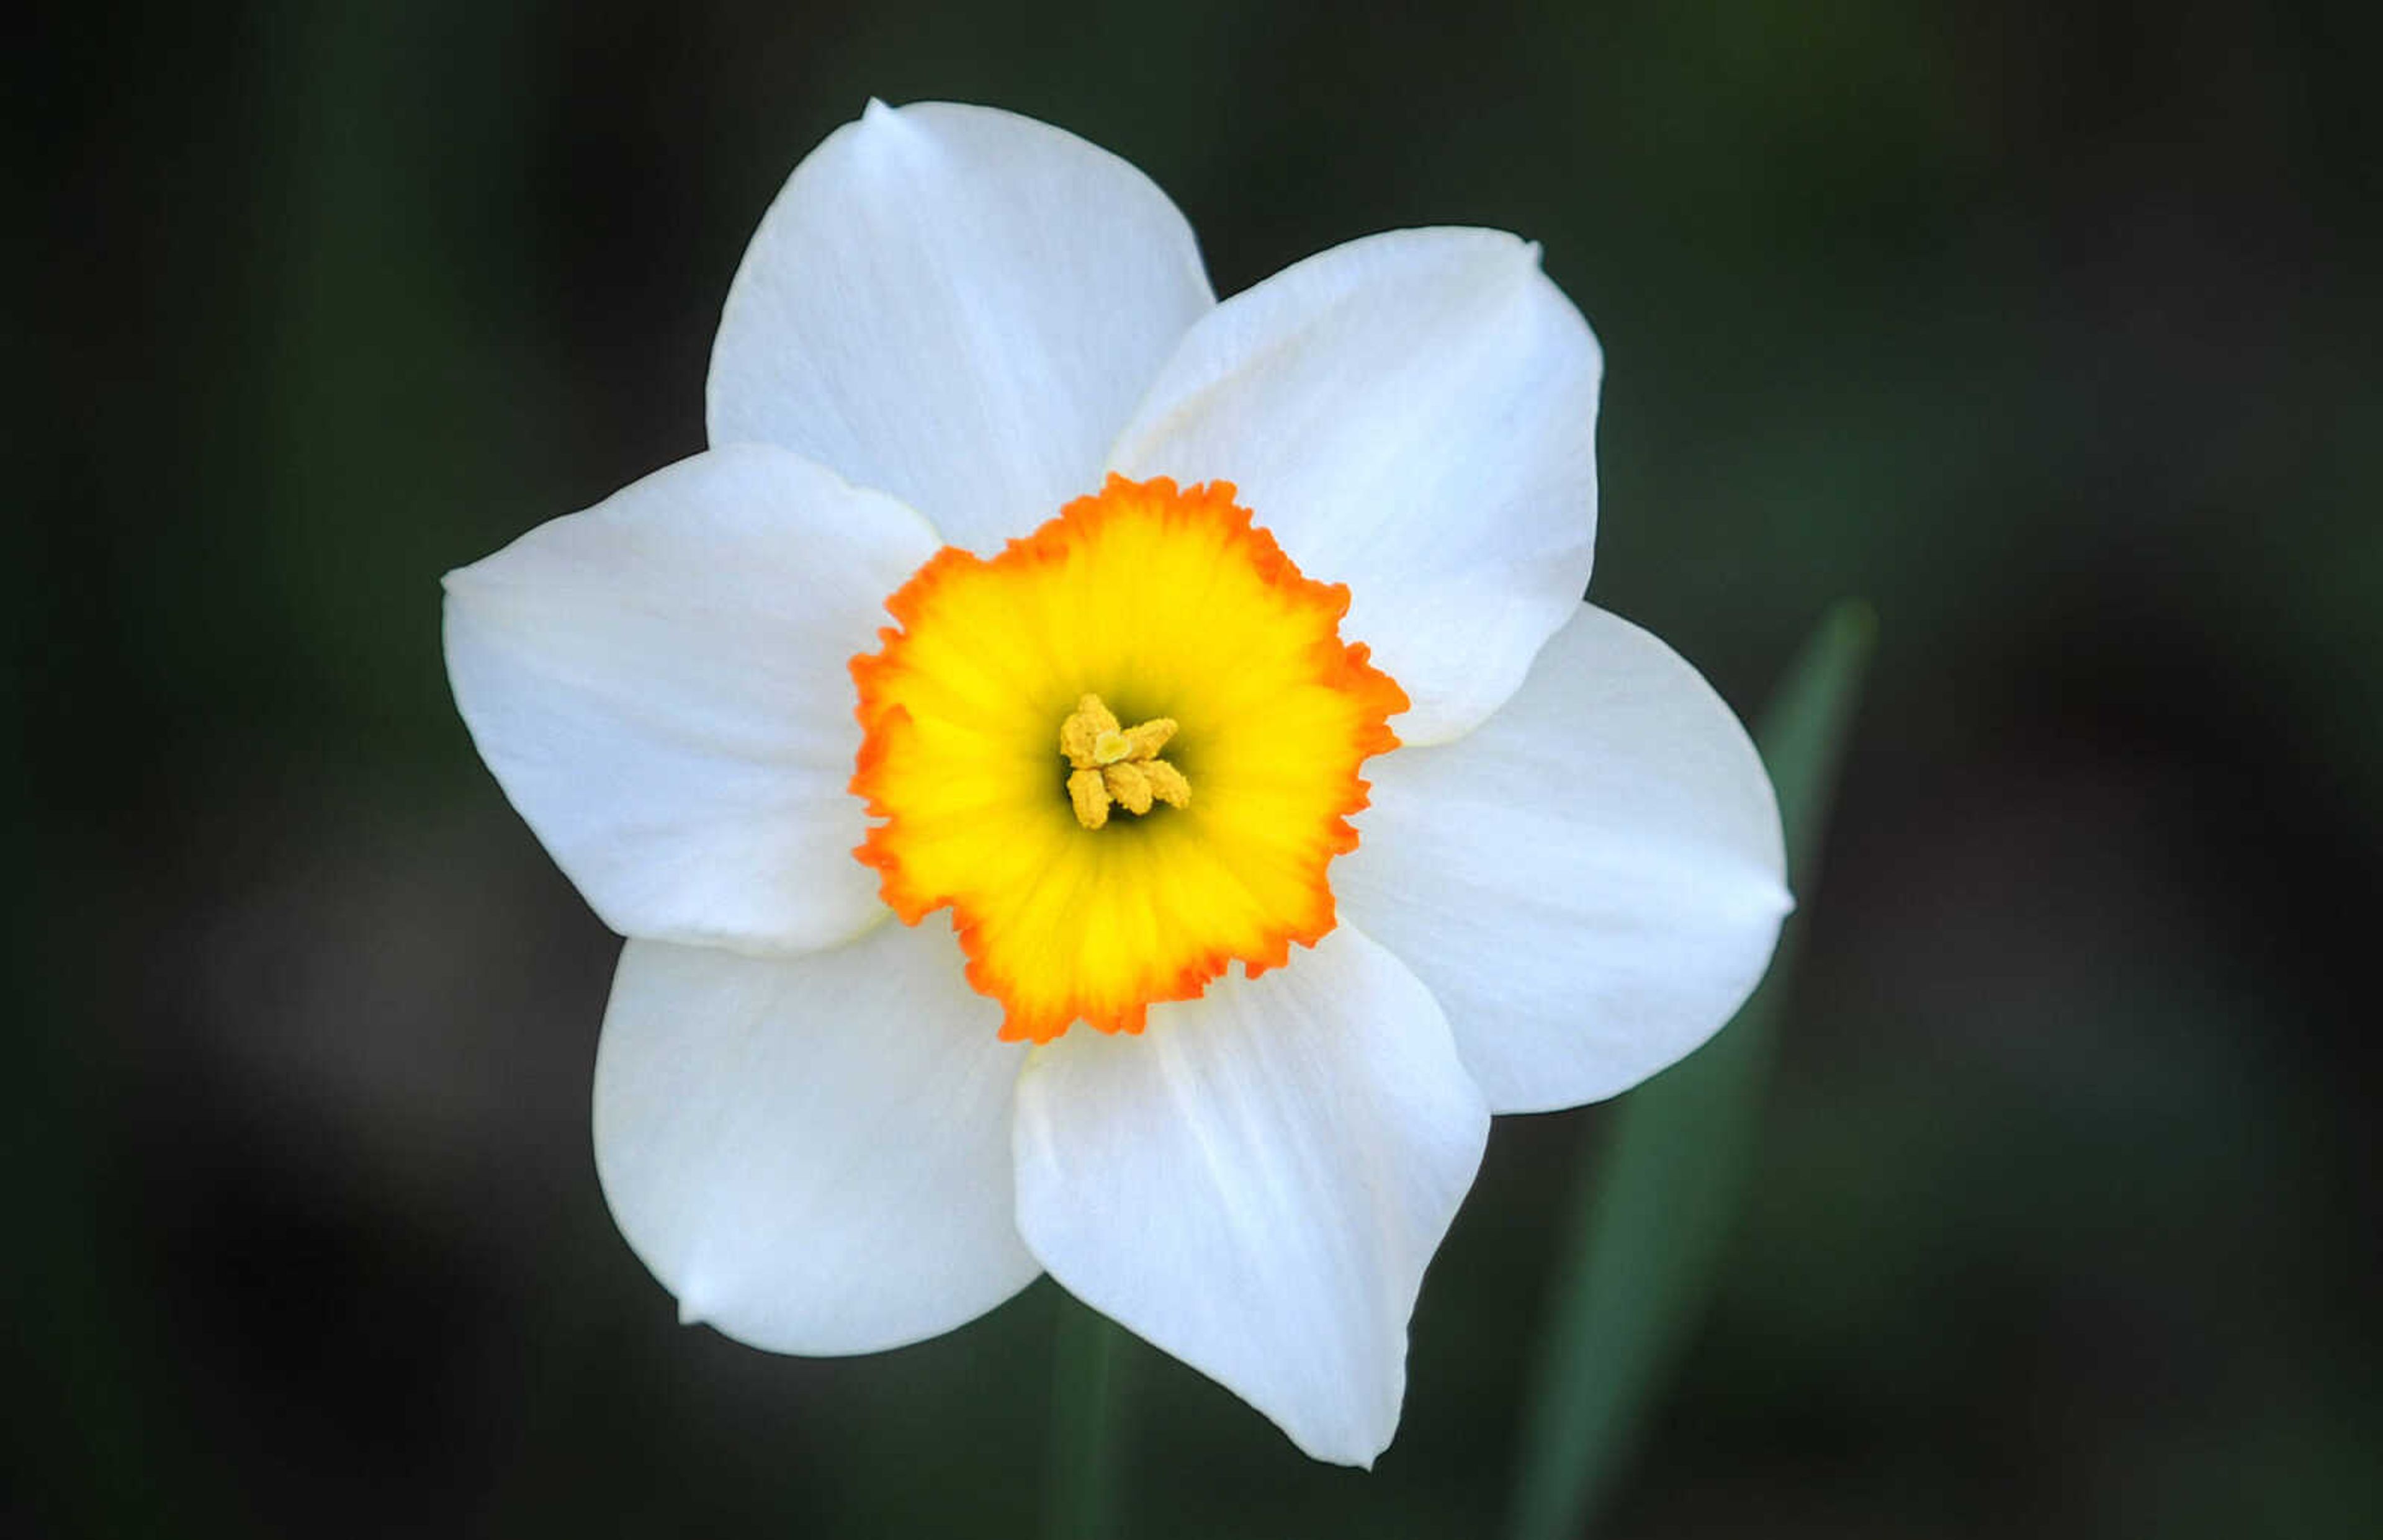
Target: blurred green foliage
{"x":2050,"y":328}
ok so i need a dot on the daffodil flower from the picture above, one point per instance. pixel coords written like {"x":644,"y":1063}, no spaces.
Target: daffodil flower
{"x":1244,"y":632}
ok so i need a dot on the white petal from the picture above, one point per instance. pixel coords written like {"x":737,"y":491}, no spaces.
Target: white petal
{"x":958,"y":305}
{"x":1591,"y":883}
{"x":812,"y":1153}
{"x":659,"y":685}
{"x":1256,"y":1182}
{"x":1414,"y":414}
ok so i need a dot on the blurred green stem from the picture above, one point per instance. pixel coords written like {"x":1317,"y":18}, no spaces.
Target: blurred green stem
{"x":1081,"y":1482}
{"x":1663,"y":1191}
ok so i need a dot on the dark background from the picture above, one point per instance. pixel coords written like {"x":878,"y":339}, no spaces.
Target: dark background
{"x":2051,"y":329}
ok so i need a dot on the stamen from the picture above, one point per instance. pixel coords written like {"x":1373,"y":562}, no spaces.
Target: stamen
{"x":1110,"y":765}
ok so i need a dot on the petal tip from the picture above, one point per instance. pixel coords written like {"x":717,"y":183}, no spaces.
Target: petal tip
{"x":467,"y":581}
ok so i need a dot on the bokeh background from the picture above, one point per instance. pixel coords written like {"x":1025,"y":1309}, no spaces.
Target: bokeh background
{"x":2051,"y":329}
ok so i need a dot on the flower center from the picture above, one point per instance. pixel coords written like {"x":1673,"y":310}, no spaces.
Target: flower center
{"x":1143,"y":596}
{"x":1107,"y":764}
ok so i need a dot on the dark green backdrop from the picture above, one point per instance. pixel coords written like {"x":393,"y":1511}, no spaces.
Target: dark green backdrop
{"x":2049,"y":329}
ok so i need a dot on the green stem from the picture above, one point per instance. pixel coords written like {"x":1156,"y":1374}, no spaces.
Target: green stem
{"x":1080,"y":1482}
{"x":1661,"y":1193}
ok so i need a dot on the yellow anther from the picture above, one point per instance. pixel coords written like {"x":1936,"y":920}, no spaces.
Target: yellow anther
{"x":1090,"y":797}
{"x":1082,"y":732}
{"x":1128,"y":785}
{"x":1110,"y":765}
{"x":1167,"y":783}
{"x":1144,"y":742}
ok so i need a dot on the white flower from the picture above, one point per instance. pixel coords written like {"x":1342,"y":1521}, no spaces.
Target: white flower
{"x":1122,"y":753}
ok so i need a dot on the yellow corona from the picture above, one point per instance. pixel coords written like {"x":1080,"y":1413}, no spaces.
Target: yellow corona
{"x":994,"y":753}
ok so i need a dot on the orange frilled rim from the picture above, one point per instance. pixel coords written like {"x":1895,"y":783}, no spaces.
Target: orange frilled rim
{"x":1164,"y":601}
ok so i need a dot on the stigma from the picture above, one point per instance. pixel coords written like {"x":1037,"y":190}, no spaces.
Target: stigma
{"x":1108,"y":765}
